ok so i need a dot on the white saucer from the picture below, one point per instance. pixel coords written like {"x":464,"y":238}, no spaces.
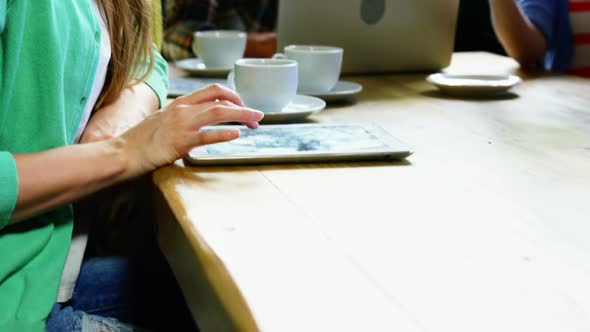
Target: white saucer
{"x":300,"y":108}
{"x":474,"y":85}
{"x":342,"y":90}
{"x":196,"y":67}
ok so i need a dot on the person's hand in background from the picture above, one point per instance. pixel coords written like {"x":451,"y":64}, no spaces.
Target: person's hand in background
{"x":521,"y":39}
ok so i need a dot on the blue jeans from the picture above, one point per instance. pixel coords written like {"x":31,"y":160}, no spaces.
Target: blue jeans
{"x":123,"y":294}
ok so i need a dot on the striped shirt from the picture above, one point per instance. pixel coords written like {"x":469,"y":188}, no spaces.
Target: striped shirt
{"x":579,"y":11}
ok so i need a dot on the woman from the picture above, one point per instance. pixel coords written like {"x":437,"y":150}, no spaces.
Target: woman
{"x":60,"y":62}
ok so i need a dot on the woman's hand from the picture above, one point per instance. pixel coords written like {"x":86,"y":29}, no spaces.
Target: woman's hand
{"x":166,"y":135}
{"x":172,"y":132}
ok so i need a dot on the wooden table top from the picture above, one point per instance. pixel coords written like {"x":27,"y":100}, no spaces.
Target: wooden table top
{"x":485,"y":228}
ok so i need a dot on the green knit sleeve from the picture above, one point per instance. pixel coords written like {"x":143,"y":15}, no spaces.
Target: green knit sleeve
{"x":8,"y":186}
{"x":2,"y":14}
{"x":158,"y":79}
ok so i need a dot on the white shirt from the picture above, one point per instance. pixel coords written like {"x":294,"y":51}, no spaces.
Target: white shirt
{"x":101,"y":72}
{"x":80,"y":233}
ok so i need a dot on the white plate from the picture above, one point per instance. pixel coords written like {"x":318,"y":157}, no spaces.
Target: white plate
{"x":342,"y":90}
{"x":300,"y":108}
{"x":474,"y":85}
{"x":180,"y":86}
{"x":196,"y":67}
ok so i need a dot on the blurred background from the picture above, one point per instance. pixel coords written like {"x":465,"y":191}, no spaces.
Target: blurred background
{"x":474,"y":28}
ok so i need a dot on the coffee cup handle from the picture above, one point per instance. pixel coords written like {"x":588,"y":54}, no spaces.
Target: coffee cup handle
{"x":279,"y":56}
{"x":230,"y":81}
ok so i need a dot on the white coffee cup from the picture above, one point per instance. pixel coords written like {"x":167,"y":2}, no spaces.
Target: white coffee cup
{"x":319,"y":66}
{"x":219,"y":48}
{"x":268,"y":85}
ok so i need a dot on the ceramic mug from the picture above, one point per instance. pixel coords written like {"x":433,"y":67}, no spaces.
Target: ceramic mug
{"x":319,"y":66}
{"x":219,"y":48}
{"x":268,"y":85}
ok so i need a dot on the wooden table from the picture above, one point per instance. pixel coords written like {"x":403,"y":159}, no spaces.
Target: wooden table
{"x":485,"y":228}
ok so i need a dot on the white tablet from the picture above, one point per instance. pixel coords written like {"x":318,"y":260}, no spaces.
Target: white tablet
{"x":298,"y":143}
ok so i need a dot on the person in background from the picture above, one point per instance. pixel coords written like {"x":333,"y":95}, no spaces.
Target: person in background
{"x":555,"y":32}
{"x":183,"y":17}
{"x":82,"y":107}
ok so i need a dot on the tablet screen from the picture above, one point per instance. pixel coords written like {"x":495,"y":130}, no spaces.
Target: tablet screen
{"x":298,"y":139}
{"x":296,"y":143}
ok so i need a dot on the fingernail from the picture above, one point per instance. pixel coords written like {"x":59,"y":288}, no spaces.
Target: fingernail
{"x":234,"y":133}
{"x":257,"y":114}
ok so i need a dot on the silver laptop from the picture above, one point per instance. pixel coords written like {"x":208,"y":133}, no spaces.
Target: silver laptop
{"x":377,"y":35}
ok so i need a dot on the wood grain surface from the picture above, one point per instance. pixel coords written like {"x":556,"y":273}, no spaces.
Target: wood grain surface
{"x":485,"y":228}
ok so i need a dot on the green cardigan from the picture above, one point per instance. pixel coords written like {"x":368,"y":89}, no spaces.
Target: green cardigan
{"x":49,"y":52}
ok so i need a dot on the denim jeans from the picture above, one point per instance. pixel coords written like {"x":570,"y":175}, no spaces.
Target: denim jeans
{"x":123,"y":294}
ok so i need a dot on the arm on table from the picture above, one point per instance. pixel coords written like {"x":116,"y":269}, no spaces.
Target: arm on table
{"x":160,"y":139}
{"x":521,"y":39}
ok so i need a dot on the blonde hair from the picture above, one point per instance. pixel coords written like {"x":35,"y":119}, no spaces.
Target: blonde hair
{"x":130,"y":29}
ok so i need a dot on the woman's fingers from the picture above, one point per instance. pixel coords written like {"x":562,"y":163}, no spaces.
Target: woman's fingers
{"x":221,"y":113}
{"x":203,"y":107}
{"x":195,"y":117}
{"x":214,"y":136}
{"x":251,"y":125}
{"x":210,"y":94}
